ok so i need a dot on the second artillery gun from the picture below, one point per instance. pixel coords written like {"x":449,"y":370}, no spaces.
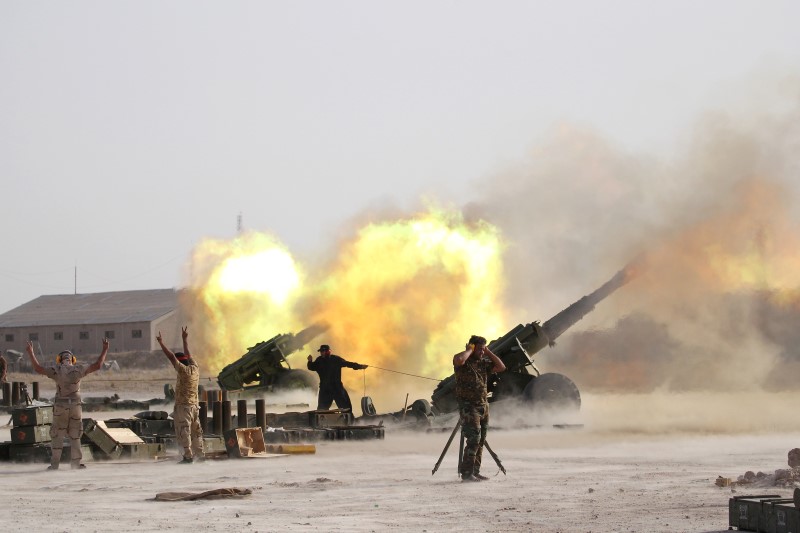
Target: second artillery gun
{"x":264,"y":367}
{"x":522,"y":380}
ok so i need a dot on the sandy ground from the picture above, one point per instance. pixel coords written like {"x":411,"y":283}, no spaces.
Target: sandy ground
{"x":639,"y":463}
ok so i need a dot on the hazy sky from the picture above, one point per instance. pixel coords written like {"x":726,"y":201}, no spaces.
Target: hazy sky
{"x":129,"y":131}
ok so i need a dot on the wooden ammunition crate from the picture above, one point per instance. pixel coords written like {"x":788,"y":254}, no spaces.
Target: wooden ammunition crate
{"x":32,"y":416}
{"x":245,"y":442}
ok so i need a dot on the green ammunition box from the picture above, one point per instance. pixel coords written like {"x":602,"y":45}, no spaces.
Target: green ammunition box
{"x":787,"y":518}
{"x":30,"y":453}
{"x":326,"y":419}
{"x":214,"y":445}
{"x":32,"y":416}
{"x":40,"y":453}
{"x":153,"y":427}
{"x":291,"y":419}
{"x":745,"y":512}
{"x":98,"y":437}
{"x":5,"y":451}
{"x":143,"y":452}
{"x":30,"y":434}
{"x":359,"y":432}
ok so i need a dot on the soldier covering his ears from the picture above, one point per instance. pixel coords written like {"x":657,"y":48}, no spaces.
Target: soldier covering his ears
{"x":472,"y":369}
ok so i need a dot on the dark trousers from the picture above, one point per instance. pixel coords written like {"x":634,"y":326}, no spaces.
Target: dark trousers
{"x":474,"y":424}
{"x":328,"y":395}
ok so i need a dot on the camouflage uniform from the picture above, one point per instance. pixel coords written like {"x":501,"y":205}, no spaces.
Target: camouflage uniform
{"x":473,"y":406}
{"x":187,"y":410}
{"x":67,"y":412}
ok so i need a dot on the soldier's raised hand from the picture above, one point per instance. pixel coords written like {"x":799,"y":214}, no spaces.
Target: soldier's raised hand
{"x":158,"y":337}
{"x":185,"y":332}
{"x":29,"y":347}
{"x":310,"y":358}
{"x":105,"y":343}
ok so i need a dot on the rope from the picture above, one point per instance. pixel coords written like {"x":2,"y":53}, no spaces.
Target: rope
{"x":404,"y":373}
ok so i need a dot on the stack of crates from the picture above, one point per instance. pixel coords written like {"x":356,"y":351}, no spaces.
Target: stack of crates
{"x":763,"y":513}
{"x":30,"y":436}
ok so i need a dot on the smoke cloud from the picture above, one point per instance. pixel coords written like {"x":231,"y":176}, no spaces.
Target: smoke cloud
{"x":714,"y":308}
{"x":718,"y":228}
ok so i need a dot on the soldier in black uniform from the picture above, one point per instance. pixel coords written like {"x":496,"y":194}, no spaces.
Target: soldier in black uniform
{"x":472,"y":369}
{"x":329,"y":368}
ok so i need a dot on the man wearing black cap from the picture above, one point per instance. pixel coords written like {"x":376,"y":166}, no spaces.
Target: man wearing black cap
{"x":329,"y":368}
{"x":187,"y":406}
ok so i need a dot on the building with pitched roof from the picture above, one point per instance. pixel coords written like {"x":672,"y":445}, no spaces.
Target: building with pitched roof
{"x":78,"y":322}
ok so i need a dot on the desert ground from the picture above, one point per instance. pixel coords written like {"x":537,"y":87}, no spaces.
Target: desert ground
{"x":638,"y":463}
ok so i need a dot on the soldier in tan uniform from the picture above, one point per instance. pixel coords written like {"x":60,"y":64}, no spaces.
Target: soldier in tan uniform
{"x":67,"y":411}
{"x":472,"y":369}
{"x":187,"y":407}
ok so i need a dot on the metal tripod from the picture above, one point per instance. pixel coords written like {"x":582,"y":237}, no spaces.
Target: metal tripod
{"x":461,"y":451}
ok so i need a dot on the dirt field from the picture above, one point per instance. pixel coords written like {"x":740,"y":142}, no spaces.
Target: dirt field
{"x":639,"y":463}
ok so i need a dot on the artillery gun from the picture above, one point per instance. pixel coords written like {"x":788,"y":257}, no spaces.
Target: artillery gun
{"x":264,"y":367}
{"x":522,"y":379}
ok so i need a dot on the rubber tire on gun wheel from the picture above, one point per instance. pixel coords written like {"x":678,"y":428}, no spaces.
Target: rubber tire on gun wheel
{"x":553,"y":391}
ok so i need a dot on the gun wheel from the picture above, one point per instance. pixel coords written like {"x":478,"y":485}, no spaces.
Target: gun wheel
{"x":553,"y":392}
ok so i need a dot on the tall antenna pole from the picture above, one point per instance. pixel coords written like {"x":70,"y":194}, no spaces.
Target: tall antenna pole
{"x":76,"y":277}
{"x":239,"y":223}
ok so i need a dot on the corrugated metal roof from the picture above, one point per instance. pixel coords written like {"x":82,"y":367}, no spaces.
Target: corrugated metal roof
{"x":97,"y":308}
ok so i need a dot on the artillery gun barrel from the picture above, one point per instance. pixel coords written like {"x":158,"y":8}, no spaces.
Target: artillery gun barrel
{"x":516,"y":347}
{"x":567,"y":318}
{"x":301,"y":338}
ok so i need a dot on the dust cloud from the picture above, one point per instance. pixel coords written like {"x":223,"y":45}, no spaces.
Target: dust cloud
{"x":713,"y":309}
{"x":716,"y":226}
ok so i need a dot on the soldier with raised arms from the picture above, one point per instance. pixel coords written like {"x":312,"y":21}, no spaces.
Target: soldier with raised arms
{"x":67,"y":412}
{"x":187,"y":406}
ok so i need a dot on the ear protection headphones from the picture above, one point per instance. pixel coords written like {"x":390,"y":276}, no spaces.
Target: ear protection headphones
{"x":66,"y":353}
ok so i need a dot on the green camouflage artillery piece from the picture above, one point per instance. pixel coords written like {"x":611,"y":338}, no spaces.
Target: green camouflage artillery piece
{"x":264,"y":367}
{"x":522,"y":380}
